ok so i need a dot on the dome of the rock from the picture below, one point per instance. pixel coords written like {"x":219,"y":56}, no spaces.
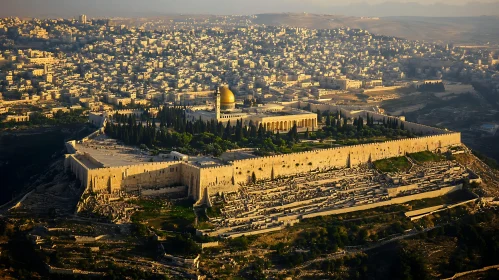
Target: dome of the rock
{"x":227,"y":98}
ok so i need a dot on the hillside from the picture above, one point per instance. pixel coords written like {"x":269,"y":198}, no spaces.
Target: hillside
{"x":476,"y":30}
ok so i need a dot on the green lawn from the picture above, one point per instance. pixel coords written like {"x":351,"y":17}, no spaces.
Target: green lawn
{"x":205,"y":225}
{"x":215,"y":211}
{"x":180,"y":217}
{"x":154,"y":213}
{"x":426,"y":156}
{"x":149,"y":209}
{"x":395,"y":164}
{"x":309,"y":146}
{"x":203,"y":220}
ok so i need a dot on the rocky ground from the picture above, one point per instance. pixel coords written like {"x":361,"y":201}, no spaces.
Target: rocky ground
{"x":54,"y":192}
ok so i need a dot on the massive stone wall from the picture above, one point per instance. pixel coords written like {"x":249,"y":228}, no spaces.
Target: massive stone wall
{"x":71,"y":147}
{"x":191,"y":177}
{"x":135,"y":177}
{"x":128,"y":178}
{"x":229,"y":177}
{"x":127,"y":112}
{"x":97,"y":119}
{"x":161,"y":191}
{"x":79,"y":169}
{"x":414,"y":127}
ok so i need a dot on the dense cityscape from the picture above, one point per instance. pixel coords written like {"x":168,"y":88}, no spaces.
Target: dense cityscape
{"x":197,"y":147}
{"x":96,"y":64}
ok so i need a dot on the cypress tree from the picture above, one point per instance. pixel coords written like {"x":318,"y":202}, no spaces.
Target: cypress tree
{"x":239,"y":132}
{"x":261,"y":131}
{"x":253,"y":130}
{"x":220,"y":129}
{"x":245,"y":131}
{"x":226,"y":134}
{"x":295,"y":133}
{"x":213,"y":125}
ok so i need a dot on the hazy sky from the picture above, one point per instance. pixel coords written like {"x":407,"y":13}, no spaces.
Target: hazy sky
{"x":99,"y":8}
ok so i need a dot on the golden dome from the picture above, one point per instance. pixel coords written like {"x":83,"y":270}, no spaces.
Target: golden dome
{"x":226,"y":96}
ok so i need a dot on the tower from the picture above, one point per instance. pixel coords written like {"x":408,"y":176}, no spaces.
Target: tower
{"x":217,"y":103}
{"x":83,"y":19}
{"x":48,"y":73}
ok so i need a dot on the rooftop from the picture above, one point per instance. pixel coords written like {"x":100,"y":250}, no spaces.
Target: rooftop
{"x":108,"y":152}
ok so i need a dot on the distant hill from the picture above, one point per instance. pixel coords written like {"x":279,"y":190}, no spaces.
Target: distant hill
{"x":146,"y":8}
{"x":395,"y":8}
{"x":464,"y":30}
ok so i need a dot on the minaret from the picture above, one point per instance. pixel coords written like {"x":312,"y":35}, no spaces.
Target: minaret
{"x":217,"y":104}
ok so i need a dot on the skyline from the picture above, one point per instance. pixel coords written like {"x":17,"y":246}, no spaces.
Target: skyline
{"x":265,"y":146}
{"x":147,"y":8}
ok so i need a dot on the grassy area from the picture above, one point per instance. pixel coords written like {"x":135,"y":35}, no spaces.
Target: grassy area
{"x":461,"y":245}
{"x":395,"y":164}
{"x":350,"y":229}
{"x":426,"y":156}
{"x":324,"y":235}
{"x":309,"y":146}
{"x":378,"y":139}
{"x":379,"y":222}
{"x":181,"y":245}
{"x":454,"y":197}
{"x":156,"y":214}
{"x":366,"y":216}
{"x":180,"y":217}
{"x":214,"y":212}
{"x":205,"y":225}
{"x":149,"y":209}
{"x":203,"y":221}
{"x":390,"y":213}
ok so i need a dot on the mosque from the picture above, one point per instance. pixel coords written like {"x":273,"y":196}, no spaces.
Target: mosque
{"x":273,"y":116}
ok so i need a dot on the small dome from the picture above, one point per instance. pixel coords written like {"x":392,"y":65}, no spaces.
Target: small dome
{"x":226,"y":96}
